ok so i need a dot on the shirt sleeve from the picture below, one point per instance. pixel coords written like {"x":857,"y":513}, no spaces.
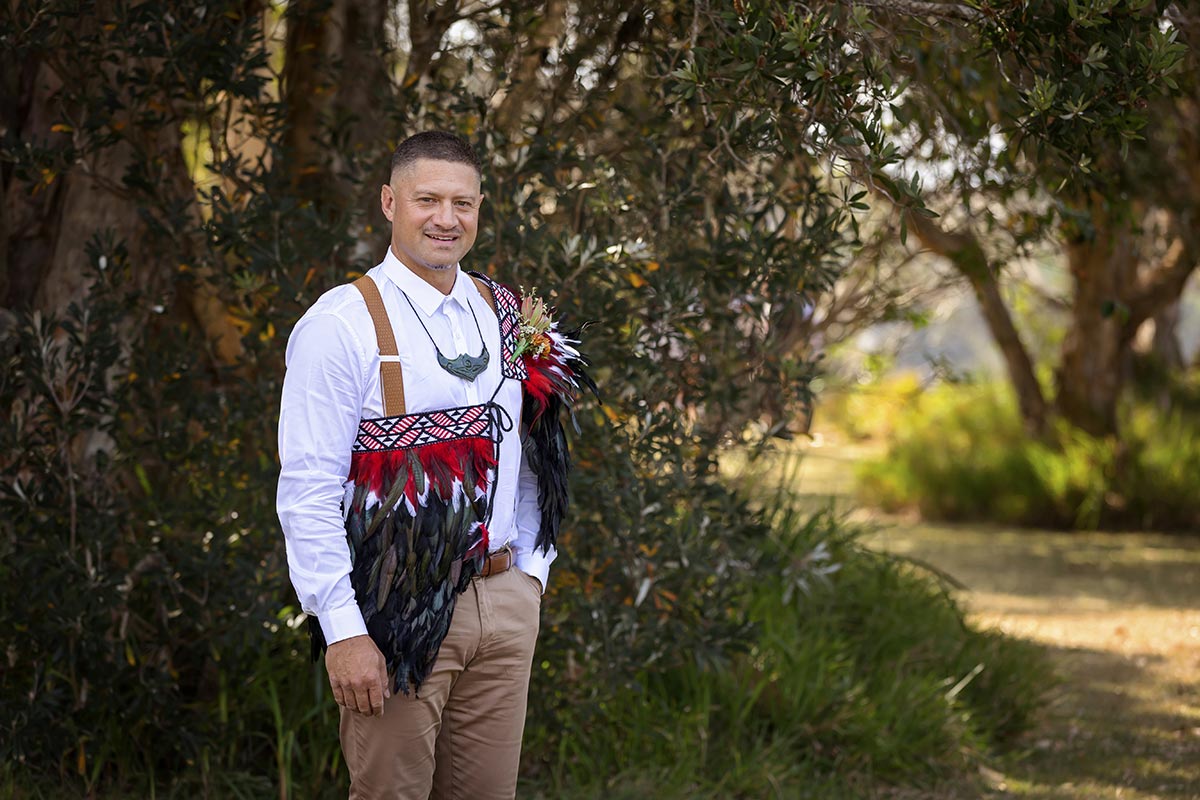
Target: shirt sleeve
{"x":530,"y":559}
{"x":318,"y":421}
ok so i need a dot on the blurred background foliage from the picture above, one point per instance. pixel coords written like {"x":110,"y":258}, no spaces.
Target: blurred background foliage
{"x":959,"y":453}
{"x":724,"y":190}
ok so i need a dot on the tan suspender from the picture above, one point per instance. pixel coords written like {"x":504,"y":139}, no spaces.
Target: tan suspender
{"x":391,"y":377}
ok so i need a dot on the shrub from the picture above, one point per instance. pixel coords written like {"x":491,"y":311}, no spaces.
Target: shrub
{"x":866,"y":676}
{"x":868,"y":412}
{"x":960,"y":453}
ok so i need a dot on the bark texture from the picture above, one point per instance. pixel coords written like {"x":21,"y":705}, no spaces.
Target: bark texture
{"x":1116,"y":290}
{"x":337,"y":89}
{"x":52,"y":217}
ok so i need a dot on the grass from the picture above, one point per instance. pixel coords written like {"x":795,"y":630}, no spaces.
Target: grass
{"x":1115,"y":612}
{"x":1118,"y":615}
{"x":864,"y":682}
{"x":960,"y":453}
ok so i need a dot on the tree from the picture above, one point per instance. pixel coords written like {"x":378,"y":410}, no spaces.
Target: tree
{"x":1076,"y":142}
{"x":1033,"y":118}
{"x":182,"y":179}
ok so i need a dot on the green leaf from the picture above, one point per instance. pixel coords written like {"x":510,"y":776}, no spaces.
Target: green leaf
{"x":143,"y":479}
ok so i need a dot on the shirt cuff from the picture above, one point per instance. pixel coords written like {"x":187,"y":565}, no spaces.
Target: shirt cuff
{"x":342,"y":623}
{"x":536,"y":564}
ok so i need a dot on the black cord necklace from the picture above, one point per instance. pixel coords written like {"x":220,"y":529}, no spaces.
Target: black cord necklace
{"x":465,"y":366}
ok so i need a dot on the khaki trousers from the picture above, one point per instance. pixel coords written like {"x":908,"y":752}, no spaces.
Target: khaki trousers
{"x":461,"y":738}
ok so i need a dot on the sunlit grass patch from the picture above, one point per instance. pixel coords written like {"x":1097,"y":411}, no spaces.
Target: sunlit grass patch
{"x":960,"y":453}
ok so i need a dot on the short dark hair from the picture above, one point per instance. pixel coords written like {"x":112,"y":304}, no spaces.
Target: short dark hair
{"x":436,"y":146}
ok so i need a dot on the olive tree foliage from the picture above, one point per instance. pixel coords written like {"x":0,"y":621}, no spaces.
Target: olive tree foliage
{"x":1079,"y":137}
{"x":182,"y":179}
{"x":1013,"y":124}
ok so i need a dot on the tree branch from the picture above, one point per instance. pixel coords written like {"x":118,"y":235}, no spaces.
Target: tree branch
{"x":964,"y":251}
{"x":1163,"y":284}
{"x":524,"y":84}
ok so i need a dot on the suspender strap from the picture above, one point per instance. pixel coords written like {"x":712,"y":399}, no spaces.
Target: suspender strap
{"x":391,"y":378}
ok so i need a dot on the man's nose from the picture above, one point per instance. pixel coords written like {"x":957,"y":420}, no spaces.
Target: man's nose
{"x":444,"y":217}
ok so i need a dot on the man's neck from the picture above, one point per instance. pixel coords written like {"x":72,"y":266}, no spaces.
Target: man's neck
{"x":440,"y":279}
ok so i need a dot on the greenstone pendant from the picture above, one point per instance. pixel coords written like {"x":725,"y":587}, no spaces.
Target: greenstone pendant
{"x":465,"y":366}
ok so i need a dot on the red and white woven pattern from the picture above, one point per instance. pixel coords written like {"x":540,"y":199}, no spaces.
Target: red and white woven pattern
{"x":508,"y":310}
{"x":414,"y":430}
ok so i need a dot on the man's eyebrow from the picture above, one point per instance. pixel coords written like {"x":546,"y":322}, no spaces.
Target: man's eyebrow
{"x":423,"y":191}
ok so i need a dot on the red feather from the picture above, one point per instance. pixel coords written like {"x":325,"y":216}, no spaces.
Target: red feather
{"x":543,"y":382}
{"x":378,"y":469}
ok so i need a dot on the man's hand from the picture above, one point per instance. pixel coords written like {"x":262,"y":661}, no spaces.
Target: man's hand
{"x":358,"y":675}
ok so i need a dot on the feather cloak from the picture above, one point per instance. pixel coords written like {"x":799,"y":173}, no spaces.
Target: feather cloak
{"x":418,"y":496}
{"x":416,"y":507}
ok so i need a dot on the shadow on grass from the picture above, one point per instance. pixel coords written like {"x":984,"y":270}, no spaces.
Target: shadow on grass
{"x":1096,"y":570}
{"x":1104,"y":739}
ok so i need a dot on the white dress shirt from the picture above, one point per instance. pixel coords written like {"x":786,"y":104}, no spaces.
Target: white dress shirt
{"x":332,"y":382}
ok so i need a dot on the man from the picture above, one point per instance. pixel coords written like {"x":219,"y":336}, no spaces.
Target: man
{"x":415,"y":535}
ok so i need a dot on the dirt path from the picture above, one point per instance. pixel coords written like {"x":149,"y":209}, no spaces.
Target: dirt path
{"x":1120,"y":616}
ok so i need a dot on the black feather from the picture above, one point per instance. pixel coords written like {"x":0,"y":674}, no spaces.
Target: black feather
{"x":546,"y":447}
{"x":408,"y":569}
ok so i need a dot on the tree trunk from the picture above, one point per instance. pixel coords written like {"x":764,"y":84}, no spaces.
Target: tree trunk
{"x":1091,"y":374}
{"x":337,"y":87}
{"x":52,"y":220}
{"x":1165,"y":344}
{"x":1114,"y":294}
{"x":965,"y":253}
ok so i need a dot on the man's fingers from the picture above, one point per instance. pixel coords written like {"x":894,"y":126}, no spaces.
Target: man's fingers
{"x":362,"y":700}
{"x":376,"y":695}
{"x":358,"y":675}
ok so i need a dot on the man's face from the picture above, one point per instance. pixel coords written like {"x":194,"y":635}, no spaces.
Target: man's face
{"x":434,"y":210}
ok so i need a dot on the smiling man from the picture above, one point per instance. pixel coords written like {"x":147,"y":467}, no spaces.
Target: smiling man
{"x":415,"y":538}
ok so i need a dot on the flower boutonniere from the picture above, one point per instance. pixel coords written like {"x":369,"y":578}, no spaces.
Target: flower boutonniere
{"x":533,"y":336}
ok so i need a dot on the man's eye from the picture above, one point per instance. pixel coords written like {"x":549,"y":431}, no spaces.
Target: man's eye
{"x":424,"y":199}
{"x":464,"y":204}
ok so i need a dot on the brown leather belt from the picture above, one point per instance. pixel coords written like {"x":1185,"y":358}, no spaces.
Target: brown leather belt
{"x":497,"y":562}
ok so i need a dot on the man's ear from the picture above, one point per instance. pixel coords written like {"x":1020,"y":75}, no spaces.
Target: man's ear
{"x":387,"y":201}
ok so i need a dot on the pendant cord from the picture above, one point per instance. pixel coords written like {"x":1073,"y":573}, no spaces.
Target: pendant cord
{"x":441,"y":356}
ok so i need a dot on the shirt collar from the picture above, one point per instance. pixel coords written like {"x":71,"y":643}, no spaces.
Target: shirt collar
{"x":423,"y":296}
{"x":464,"y":287}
